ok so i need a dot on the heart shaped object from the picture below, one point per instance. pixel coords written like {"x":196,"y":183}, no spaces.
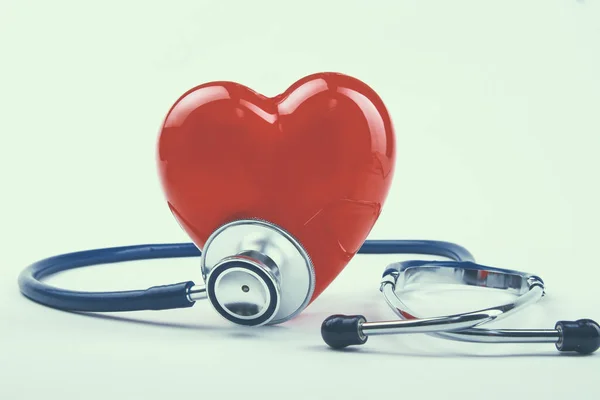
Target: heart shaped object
{"x":316,"y":160}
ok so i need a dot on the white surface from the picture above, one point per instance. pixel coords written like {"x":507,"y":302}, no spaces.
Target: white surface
{"x":496,"y":106}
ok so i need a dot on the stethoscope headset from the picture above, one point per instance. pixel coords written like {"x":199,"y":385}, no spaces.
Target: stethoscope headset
{"x":257,"y":272}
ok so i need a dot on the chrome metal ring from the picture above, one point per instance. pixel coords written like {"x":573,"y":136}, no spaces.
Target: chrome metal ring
{"x":243,"y":291}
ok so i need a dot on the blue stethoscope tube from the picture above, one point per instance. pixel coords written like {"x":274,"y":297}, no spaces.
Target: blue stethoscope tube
{"x":173,"y":295}
{"x":338,"y":331}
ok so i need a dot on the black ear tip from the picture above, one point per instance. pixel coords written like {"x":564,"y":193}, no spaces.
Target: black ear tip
{"x":581,"y":336}
{"x":340,"y":331}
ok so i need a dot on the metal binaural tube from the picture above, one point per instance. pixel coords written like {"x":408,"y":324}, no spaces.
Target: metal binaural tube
{"x":532,"y":291}
{"x":425,"y":325}
{"x":508,"y":335}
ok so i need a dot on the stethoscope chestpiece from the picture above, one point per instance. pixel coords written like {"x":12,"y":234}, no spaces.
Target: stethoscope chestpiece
{"x":256,"y":273}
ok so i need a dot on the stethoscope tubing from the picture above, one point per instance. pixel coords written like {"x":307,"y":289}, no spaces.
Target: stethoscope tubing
{"x":173,"y":295}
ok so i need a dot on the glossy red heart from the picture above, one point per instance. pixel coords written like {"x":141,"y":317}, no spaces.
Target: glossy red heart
{"x":316,"y":160}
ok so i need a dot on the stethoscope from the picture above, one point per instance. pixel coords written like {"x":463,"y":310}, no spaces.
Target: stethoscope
{"x":265,"y":215}
{"x":255,"y":273}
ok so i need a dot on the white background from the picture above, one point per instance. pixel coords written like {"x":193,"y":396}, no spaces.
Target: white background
{"x":497,"y":112}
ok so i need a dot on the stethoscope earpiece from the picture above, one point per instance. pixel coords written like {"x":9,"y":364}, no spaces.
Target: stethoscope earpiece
{"x":340,"y":331}
{"x":581,"y":336}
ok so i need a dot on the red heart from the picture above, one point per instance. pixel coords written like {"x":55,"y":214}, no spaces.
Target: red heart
{"x":316,"y":160}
